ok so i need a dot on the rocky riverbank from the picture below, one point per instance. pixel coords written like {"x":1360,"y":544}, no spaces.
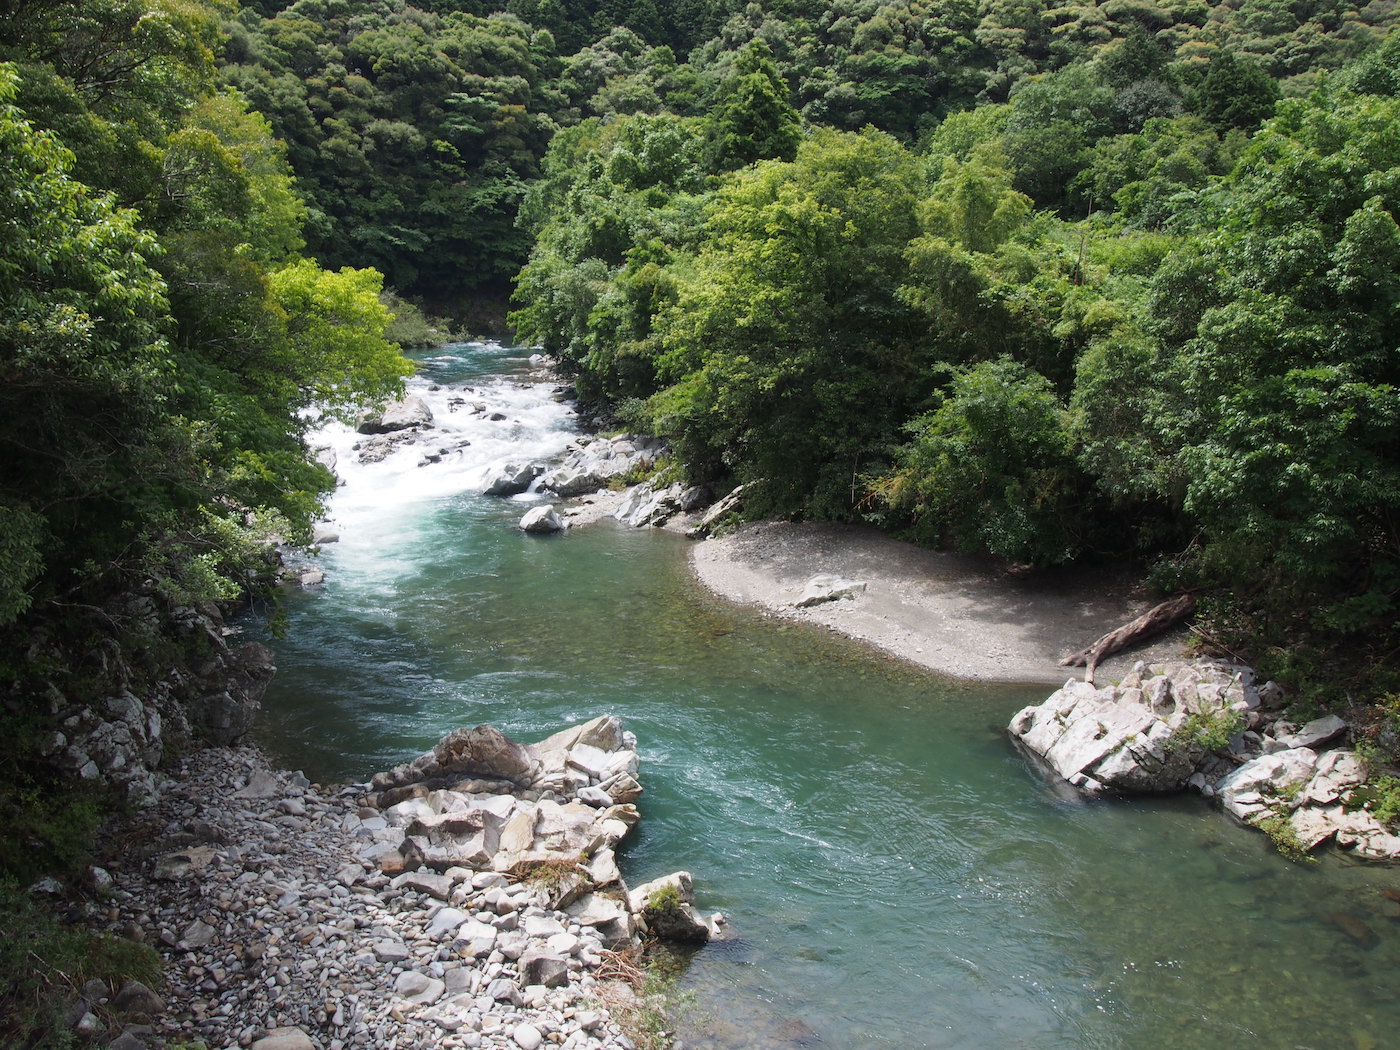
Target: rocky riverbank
{"x":468,"y":899}
{"x":1209,"y":727}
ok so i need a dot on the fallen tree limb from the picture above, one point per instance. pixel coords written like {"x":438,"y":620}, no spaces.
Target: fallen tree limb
{"x":1156,"y":620}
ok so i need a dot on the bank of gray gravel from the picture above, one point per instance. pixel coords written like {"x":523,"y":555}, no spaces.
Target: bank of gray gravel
{"x":278,"y":935}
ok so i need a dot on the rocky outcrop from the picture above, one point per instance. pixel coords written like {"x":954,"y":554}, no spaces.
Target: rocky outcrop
{"x":114,"y":716}
{"x":665,"y":908}
{"x":1146,"y":734}
{"x":1318,"y":795}
{"x":555,"y":810}
{"x":1207,"y":727}
{"x":598,"y":462}
{"x":412,"y":413}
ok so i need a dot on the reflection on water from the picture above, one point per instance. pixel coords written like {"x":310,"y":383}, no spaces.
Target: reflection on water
{"x":895,"y":875}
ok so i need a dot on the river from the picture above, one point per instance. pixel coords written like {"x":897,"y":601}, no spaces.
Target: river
{"x":895,"y":874}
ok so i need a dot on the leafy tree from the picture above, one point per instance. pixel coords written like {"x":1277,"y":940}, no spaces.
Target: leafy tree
{"x":788,"y":353}
{"x":1236,"y":93}
{"x":754,"y":120}
{"x":85,"y":445}
{"x":990,"y":469}
{"x":1278,"y":407}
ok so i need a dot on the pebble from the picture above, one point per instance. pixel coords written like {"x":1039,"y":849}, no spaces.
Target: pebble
{"x":280,"y":937}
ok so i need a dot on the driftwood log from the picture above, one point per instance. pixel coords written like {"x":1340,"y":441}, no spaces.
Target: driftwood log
{"x":1156,"y":620}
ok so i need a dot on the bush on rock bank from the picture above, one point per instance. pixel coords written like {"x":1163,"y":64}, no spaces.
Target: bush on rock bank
{"x":1209,"y":727}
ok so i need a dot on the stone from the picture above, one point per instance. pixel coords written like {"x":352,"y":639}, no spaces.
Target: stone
{"x":595,"y":796}
{"x":542,"y":520}
{"x":527,"y":1037}
{"x":134,"y":999}
{"x":390,"y":951}
{"x":1251,"y":787}
{"x":593,"y":909}
{"x":483,"y":751}
{"x":717,"y":512}
{"x":175,"y":866}
{"x":666,"y":906}
{"x":544,"y":968}
{"x":410,"y":413}
{"x":127,"y":1040}
{"x":572,"y":482}
{"x":512,"y":479}
{"x":1316,"y":734}
{"x":826,"y":587}
{"x":623,"y":788}
{"x":503,"y":991}
{"x":284,"y":1039}
{"x":445,"y":922}
{"x":419,"y":987}
{"x":197,"y":935}
{"x":429,"y":883}
{"x":603,"y":869}
{"x":322,"y":534}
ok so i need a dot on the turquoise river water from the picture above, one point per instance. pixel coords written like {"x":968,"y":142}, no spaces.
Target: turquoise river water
{"x":896,"y":875}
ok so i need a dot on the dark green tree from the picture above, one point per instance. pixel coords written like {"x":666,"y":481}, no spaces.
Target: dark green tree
{"x":754,"y":119}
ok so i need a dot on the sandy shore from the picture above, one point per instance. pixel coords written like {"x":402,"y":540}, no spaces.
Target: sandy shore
{"x":956,"y":615}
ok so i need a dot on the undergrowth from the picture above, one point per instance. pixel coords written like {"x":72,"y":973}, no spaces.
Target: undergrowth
{"x":44,"y":963}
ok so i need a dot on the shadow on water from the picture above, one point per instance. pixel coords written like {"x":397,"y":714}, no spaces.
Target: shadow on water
{"x":894,"y":873}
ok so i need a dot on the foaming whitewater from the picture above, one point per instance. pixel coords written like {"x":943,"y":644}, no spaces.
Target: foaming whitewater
{"x":467,"y":432}
{"x":482,"y":420}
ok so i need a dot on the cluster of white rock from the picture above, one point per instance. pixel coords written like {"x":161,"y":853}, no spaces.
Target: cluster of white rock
{"x":1208,"y":727}
{"x":469,"y":900}
{"x":597,"y":463}
{"x":122,"y":737}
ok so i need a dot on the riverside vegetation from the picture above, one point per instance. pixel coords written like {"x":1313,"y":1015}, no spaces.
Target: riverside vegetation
{"x":1046,"y":282}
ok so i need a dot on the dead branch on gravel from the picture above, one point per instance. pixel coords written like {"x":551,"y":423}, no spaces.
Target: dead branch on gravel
{"x":1156,"y":620}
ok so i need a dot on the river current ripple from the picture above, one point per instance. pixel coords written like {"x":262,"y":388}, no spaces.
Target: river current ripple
{"x":895,"y":875}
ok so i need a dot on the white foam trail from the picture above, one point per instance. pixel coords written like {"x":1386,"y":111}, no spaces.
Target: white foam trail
{"x":379,"y":508}
{"x":535,"y":427}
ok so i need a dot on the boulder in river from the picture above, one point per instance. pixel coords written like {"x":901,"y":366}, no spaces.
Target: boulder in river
{"x":542,"y":520}
{"x":410,"y":413}
{"x":1146,"y":734}
{"x":512,"y":479}
{"x":1179,"y":726}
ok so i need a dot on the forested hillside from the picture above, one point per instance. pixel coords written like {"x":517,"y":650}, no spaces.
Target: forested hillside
{"x":1045,"y":282}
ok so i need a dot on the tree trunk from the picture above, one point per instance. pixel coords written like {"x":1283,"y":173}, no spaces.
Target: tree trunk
{"x":1156,"y":620}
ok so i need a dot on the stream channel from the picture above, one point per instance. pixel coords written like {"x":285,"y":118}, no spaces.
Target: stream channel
{"x":896,"y":876}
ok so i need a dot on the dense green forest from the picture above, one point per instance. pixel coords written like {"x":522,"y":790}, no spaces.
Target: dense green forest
{"x":1045,"y":282}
